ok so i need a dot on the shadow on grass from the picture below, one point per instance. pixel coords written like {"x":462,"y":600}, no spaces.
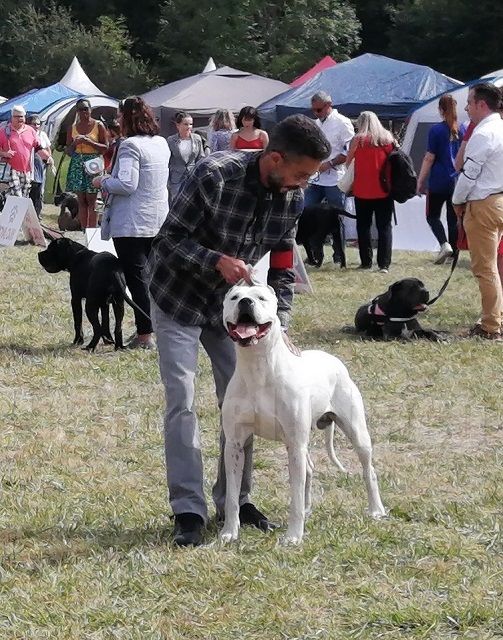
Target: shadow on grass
{"x":21,"y":349}
{"x":60,"y":543}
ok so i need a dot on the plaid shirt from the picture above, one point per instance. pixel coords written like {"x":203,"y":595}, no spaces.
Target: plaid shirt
{"x":222,"y":209}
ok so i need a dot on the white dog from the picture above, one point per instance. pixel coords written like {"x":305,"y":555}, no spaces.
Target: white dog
{"x":280,"y":396}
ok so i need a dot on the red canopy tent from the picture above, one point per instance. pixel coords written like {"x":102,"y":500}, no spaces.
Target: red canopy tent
{"x":323,"y":64}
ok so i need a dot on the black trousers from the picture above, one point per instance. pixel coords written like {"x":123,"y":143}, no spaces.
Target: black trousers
{"x":434,"y":205}
{"x":382,"y":208}
{"x":133,"y":254}
{"x":36,"y":197}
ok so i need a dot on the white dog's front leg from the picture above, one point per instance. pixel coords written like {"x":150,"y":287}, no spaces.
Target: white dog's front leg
{"x":297,"y":462}
{"x":234,"y":461}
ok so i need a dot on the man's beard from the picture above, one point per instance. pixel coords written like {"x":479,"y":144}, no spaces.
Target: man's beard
{"x":275,"y":183}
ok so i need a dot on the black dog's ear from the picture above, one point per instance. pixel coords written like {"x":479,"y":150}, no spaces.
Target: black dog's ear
{"x":385,"y":299}
{"x":395,"y":286}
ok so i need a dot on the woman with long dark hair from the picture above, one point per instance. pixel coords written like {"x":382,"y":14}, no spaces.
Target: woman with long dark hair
{"x":444,"y":140}
{"x":137,"y":204}
{"x":249,"y":135}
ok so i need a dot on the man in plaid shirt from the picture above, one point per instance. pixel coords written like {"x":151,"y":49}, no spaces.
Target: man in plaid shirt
{"x":232,"y":209}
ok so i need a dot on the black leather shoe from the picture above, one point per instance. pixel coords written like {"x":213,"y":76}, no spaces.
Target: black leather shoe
{"x":249,"y":514}
{"x":188,"y":530}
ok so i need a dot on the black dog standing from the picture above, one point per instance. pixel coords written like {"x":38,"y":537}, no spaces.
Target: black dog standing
{"x":315,"y":224}
{"x":97,"y":277}
{"x":393,"y":313}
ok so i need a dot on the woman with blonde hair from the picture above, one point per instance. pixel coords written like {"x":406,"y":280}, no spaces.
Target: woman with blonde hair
{"x":444,"y":140}
{"x":369,"y":149}
{"x":222,"y":126}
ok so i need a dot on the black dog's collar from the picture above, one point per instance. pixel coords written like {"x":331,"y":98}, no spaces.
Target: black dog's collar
{"x":379,"y":317}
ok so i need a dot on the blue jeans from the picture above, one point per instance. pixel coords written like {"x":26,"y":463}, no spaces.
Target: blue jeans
{"x":316,"y":193}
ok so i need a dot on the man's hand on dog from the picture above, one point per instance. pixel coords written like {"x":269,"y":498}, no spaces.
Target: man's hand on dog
{"x":233,"y":270}
{"x":286,"y":339}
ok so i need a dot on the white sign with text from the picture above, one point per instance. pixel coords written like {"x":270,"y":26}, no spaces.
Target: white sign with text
{"x":19,"y":213}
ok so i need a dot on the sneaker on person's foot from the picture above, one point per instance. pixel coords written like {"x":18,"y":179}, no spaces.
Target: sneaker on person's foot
{"x":444,"y":253}
{"x":188,"y":530}
{"x":478,"y":332}
{"x":364,"y":267}
{"x":383,"y":270}
{"x":249,"y":514}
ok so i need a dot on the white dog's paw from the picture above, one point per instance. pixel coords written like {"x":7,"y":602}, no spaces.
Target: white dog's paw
{"x":227,"y":536}
{"x":378,"y":514}
{"x":291,"y":541}
{"x":292,"y":538}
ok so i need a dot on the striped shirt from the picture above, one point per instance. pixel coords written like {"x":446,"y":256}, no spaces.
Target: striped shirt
{"x":222,"y":209}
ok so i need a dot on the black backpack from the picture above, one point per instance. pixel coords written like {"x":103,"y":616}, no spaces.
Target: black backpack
{"x":398,"y":177}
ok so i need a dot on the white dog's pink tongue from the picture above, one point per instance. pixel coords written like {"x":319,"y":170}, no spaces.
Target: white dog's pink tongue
{"x":246,"y":331}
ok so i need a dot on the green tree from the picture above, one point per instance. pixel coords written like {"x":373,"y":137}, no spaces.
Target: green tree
{"x":272,"y":38}
{"x":453,"y":36}
{"x":142,"y":19}
{"x":37,"y":48}
{"x":377,"y":20}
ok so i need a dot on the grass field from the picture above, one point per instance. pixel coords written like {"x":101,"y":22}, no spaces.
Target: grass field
{"x":85,"y":524}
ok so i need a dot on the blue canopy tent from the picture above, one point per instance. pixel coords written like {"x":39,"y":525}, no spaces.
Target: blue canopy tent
{"x":390,"y":88}
{"x":38,"y":100}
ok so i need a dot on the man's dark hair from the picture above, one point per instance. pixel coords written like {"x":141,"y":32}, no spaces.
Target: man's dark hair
{"x":489,"y":93}
{"x":299,"y":136}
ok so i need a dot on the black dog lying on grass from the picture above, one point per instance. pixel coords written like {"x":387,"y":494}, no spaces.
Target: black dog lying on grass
{"x":97,"y":277}
{"x":393,"y":314}
{"x":315,"y":224}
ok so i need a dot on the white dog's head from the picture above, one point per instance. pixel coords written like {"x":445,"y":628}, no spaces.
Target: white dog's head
{"x":249,"y":313}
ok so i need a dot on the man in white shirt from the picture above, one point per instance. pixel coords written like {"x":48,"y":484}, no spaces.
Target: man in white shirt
{"x":339,"y":131}
{"x":479,"y":197}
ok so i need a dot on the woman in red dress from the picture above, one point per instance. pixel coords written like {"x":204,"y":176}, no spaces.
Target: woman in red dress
{"x":249,"y":135}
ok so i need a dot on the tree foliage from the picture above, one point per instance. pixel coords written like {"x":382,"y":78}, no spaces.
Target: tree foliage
{"x":271,"y":38}
{"x":456,"y":37}
{"x":124,"y":44}
{"x":37,"y":48}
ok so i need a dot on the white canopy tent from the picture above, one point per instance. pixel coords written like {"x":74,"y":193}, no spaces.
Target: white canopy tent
{"x":421,"y":120}
{"x":76,"y":78}
{"x":57,"y":118}
{"x":210,"y":66}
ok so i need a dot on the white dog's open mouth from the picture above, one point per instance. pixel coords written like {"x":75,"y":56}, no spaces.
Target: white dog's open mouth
{"x":246,"y":331}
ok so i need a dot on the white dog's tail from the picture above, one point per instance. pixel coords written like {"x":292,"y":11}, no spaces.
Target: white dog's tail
{"x":329,"y":443}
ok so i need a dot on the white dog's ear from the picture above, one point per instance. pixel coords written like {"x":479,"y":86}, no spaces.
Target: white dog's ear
{"x":254,"y":279}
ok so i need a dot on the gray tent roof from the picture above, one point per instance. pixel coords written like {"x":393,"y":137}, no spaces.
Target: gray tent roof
{"x":224,"y":88}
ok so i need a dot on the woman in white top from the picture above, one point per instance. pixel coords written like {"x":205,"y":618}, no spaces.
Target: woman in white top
{"x":137,"y":204}
{"x":186,"y":149}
